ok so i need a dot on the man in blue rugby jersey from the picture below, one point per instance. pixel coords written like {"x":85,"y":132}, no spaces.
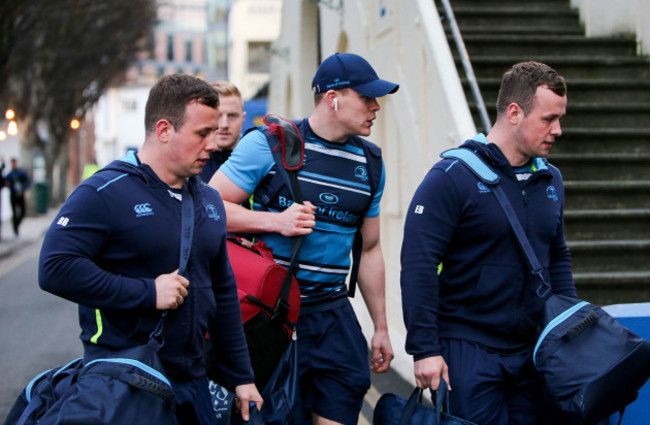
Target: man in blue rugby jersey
{"x":342,"y":182}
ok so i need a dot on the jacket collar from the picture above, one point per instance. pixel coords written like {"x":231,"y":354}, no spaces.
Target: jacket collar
{"x":496,"y":157}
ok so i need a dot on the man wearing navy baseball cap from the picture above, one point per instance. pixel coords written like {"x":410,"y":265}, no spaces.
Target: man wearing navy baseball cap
{"x":342,"y":181}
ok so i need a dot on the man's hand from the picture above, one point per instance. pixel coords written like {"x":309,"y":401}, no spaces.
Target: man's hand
{"x":428,"y":372}
{"x":171,"y":290}
{"x":296,"y":220}
{"x":245,"y":394}
{"x":382,"y":352}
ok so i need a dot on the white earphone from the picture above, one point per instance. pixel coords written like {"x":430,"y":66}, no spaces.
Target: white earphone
{"x":336,"y":104}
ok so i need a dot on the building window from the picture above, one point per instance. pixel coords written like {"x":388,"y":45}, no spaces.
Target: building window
{"x":259,"y":57}
{"x":188,"y":51}
{"x":129,"y":105}
{"x":170,"y":47}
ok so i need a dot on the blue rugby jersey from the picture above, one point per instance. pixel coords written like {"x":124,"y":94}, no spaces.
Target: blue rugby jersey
{"x":335,"y":178}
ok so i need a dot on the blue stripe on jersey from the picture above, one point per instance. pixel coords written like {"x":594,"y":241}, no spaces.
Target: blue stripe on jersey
{"x":345,"y":151}
{"x":335,"y":180}
{"x":326,"y":251}
{"x":332,"y":289}
{"x":333,"y":228}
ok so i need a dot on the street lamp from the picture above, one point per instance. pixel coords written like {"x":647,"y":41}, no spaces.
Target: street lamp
{"x":12,"y":128}
{"x":74,"y":124}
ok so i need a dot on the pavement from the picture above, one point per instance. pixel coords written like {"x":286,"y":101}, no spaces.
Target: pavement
{"x":32,"y":229}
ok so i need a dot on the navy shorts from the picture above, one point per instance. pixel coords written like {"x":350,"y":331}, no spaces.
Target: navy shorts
{"x":492,"y":388}
{"x":333,"y":364}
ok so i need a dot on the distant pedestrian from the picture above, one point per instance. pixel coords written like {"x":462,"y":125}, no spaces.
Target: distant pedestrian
{"x":18,"y":182}
{"x":2,"y":184}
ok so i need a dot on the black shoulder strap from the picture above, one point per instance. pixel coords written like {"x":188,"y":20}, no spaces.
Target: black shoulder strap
{"x":289,"y":159}
{"x":374,"y":167}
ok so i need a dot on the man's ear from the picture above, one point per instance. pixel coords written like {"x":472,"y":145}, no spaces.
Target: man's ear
{"x":514,"y":113}
{"x":330,"y":98}
{"x":163,"y":129}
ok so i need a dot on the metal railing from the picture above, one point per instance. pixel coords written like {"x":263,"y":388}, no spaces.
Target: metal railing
{"x":467,"y":65}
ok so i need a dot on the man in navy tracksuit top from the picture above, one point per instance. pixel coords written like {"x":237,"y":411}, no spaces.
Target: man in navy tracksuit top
{"x":474,"y":322}
{"x":336,"y":181}
{"x":114,"y":249}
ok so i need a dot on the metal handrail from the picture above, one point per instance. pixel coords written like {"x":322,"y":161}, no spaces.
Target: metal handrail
{"x":467,"y":65}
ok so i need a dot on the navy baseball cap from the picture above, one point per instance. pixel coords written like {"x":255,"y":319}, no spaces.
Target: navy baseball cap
{"x":347,"y":70}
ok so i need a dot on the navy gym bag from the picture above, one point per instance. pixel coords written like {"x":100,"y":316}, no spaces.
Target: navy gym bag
{"x":392,"y":409}
{"x":591,"y":365}
{"x":128,"y":388}
{"x":42,"y":392}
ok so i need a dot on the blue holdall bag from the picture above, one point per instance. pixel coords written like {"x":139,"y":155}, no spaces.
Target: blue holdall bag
{"x":591,"y":365}
{"x":392,"y":409}
{"x":42,"y":392}
{"x":128,"y":388}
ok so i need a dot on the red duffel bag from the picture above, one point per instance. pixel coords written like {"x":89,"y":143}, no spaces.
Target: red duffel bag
{"x":268,"y":313}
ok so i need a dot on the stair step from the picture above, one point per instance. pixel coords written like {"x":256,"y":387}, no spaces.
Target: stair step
{"x":613,"y":287}
{"x":607,"y":114}
{"x":603,"y":140}
{"x":516,"y":29}
{"x":556,"y":4}
{"x":642,"y":213}
{"x":576,"y":45}
{"x":569,"y":67}
{"x":603,"y":166}
{"x":538,"y":16}
{"x":609,"y":246}
{"x":620,"y":278}
{"x":610,"y":256}
{"x":580,"y":90}
{"x":594,"y":114}
{"x":488,"y":12}
{"x":606,"y":194}
{"x":496,"y":10}
{"x":596,"y":224}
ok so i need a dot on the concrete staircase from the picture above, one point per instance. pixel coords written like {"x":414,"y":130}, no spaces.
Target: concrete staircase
{"x":604,"y":152}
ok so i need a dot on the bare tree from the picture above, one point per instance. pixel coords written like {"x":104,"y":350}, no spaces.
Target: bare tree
{"x":61,"y":56}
